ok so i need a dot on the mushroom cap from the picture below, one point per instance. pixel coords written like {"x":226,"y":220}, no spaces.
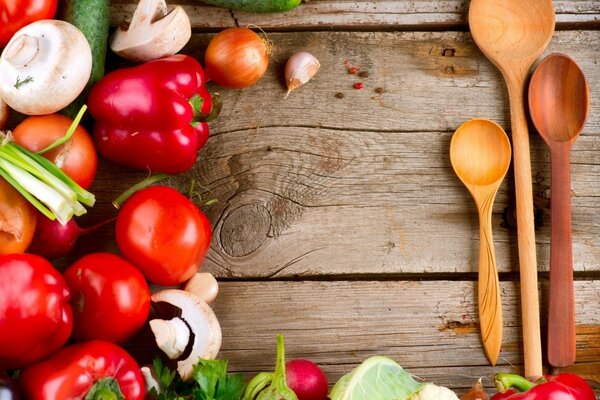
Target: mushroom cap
{"x":53,"y":61}
{"x":151,"y":37}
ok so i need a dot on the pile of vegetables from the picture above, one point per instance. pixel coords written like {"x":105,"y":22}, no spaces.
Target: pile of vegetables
{"x":63,"y":331}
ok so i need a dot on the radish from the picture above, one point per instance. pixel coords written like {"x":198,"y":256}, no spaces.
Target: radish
{"x":306,"y":379}
{"x":53,"y":240}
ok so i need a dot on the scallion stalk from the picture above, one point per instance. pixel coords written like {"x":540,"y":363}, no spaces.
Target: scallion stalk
{"x":41,"y":182}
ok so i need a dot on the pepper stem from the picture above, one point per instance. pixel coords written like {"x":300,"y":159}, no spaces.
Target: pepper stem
{"x":505,"y":381}
{"x":105,"y":389}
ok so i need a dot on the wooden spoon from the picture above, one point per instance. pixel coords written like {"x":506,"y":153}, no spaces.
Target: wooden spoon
{"x":480,"y":155}
{"x":513,"y":34}
{"x":559,"y":103}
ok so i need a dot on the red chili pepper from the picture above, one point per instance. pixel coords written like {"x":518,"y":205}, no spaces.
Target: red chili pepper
{"x":35,"y":315}
{"x":564,"y":386}
{"x":149,"y":116}
{"x":91,"y":370}
{"x":15,"y":14}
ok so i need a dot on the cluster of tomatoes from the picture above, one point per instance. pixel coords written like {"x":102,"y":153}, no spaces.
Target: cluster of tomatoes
{"x":102,"y":298}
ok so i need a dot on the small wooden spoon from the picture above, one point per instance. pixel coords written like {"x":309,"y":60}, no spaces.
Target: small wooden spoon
{"x":480,"y":155}
{"x":559,"y":103}
{"x":513,"y":34}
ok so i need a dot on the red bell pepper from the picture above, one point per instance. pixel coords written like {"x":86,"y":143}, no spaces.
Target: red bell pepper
{"x":15,"y":14}
{"x":35,"y":315}
{"x":91,"y":370}
{"x":564,"y":386}
{"x":149,"y":117}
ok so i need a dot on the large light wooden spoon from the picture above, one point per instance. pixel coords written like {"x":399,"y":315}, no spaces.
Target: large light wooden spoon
{"x":513,"y":34}
{"x":559,"y":103}
{"x":480,"y":155}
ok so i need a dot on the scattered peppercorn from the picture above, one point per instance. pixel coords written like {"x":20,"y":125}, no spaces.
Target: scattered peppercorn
{"x":352,"y":70}
{"x":379,"y":90}
{"x":358,"y":85}
{"x":364,"y":74}
{"x":339,"y":95}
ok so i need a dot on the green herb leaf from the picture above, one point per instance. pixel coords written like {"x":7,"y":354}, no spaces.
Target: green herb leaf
{"x":25,"y":81}
{"x":210,"y":382}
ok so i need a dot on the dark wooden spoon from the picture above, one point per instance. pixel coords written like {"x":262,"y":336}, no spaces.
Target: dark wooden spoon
{"x":558,"y":103}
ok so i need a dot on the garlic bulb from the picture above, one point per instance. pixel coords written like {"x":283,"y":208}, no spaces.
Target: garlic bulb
{"x":299,"y":69}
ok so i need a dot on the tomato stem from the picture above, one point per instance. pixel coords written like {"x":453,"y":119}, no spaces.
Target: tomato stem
{"x":118,"y":202}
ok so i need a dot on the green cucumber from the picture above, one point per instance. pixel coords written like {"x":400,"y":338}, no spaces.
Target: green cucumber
{"x":256,"y":6}
{"x":91,"y":17}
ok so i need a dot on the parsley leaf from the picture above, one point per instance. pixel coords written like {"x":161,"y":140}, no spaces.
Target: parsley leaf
{"x":210,"y":382}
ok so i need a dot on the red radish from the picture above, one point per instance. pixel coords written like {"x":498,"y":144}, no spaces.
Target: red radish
{"x":53,"y":240}
{"x":306,"y":379}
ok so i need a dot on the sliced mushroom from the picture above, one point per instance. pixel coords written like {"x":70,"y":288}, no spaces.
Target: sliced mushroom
{"x":203,"y":285}
{"x":199,"y":318}
{"x":153,"y":32}
{"x":44,"y":67}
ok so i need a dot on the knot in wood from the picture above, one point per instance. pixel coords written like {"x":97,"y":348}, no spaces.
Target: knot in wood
{"x":245,"y":229}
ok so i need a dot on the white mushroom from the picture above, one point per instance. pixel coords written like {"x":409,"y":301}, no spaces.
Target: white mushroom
{"x":44,"y":67}
{"x":199,"y":318}
{"x":203,"y":285}
{"x":153,"y":32}
{"x":3,"y":114}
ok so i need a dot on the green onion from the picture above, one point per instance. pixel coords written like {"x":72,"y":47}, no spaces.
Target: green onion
{"x":41,"y":182}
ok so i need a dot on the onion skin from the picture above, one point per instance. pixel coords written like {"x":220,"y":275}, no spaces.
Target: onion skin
{"x":17,"y":220}
{"x":236,"y":58}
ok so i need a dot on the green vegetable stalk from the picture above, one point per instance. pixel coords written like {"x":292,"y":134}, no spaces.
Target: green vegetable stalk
{"x":41,"y":182}
{"x":256,"y":6}
{"x":271,"y":386}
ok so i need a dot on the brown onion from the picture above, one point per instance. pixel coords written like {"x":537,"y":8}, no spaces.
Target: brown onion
{"x":236,"y":58}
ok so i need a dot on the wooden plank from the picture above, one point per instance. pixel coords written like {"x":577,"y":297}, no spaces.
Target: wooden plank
{"x":362,"y":15}
{"x":304,"y":183}
{"x":430,"y":328}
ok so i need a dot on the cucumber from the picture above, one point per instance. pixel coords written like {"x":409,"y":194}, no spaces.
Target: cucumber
{"x":91,"y":17}
{"x":256,"y":6}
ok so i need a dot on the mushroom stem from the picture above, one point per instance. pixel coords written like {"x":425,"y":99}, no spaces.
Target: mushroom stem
{"x":171,"y":336}
{"x":146,"y":8}
{"x":22,"y":50}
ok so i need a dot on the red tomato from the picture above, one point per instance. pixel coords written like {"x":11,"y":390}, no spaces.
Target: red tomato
{"x":164,"y":234}
{"x":35,"y":316}
{"x":15,"y":14}
{"x":77,"y":158}
{"x":110,"y":298}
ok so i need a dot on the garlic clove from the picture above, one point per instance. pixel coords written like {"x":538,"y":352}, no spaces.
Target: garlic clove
{"x":300,"y":67}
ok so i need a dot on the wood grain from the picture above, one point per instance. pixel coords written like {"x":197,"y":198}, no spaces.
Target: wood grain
{"x":314,"y":176}
{"x":430,"y":328}
{"x":360,"y":15}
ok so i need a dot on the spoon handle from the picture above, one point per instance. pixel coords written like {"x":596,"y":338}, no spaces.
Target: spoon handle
{"x":530,"y":305}
{"x":561,"y":311}
{"x":490,"y":307}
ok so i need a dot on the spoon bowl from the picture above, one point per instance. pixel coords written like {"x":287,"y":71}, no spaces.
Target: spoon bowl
{"x":559,"y":103}
{"x":513,"y":34}
{"x":480,"y":155}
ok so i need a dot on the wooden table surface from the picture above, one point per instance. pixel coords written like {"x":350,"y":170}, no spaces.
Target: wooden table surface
{"x":340,"y":222}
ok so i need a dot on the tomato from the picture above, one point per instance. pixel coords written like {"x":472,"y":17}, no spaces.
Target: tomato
{"x":17,"y":220}
{"x":35,"y":316}
{"x":164,"y":234}
{"x":15,"y":14}
{"x":110,"y":298}
{"x":77,"y":158}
